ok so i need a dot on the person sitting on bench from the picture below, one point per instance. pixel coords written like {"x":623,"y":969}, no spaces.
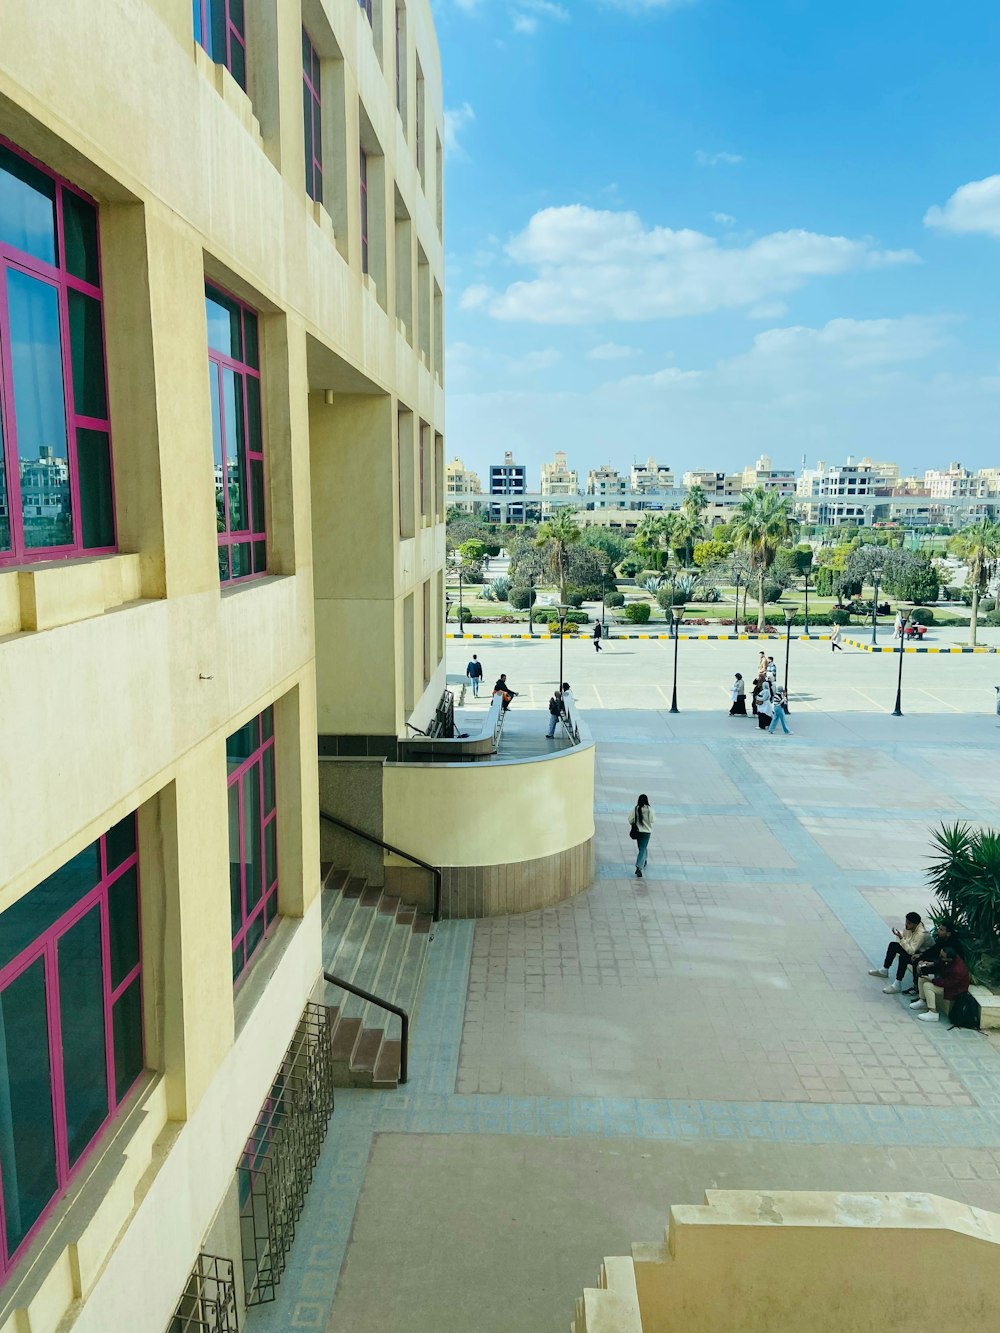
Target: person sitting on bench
{"x":946,"y":979}
{"x":908,"y":942}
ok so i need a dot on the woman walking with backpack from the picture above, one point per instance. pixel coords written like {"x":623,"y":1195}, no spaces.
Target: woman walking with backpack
{"x":641,"y":828}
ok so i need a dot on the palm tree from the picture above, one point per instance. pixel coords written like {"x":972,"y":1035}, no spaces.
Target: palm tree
{"x":696,"y":501}
{"x":655,"y":536}
{"x":978,"y":547}
{"x":763,"y":522}
{"x":688,"y":529}
{"x":555,"y":537}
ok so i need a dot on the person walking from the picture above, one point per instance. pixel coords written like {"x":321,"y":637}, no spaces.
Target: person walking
{"x":762,"y":665}
{"x":641,"y":821}
{"x":835,"y":644}
{"x":772,"y":671}
{"x":778,"y":701}
{"x":738,"y":693}
{"x":597,"y":636}
{"x":765,"y":704}
{"x":908,"y":942}
{"x":474,"y":671}
{"x":555,"y":713}
{"x":897,"y":632}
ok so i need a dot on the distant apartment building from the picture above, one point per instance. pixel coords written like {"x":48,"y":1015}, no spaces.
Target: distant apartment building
{"x":558,"y":479}
{"x":715,"y":484}
{"x":829,"y":494}
{"x":461,"y":487}
{"x":651,"y":476}
{"x":606,"y":488}
{"x":770,"y":478}
{"x":506,"y":479}
{"x":956,"y":482}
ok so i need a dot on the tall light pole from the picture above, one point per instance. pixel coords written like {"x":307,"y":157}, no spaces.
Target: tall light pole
{"x":673,"y":581}
{"x":904,"y":612}
{"x":676,"y":616}
{"x":736,"y":576}
{"x":604,"y":613}
{"x":562,"y":608}
{"x":807,"y":604}
{"x":531,"y":606}
{"x":461,"y":612}
{"x":876,"y":576}
{"x":789,"y":617}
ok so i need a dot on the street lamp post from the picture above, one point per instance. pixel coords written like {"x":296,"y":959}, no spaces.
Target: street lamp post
{"x":807,"y":604}
{"x":676,"y":616}
{"x":876,"y":576}
{"x":604,"y":613}
{"x":904,"y":612}
{"x":531,"y":606}
{"x":673,"y":581}
{"x":461,"y":612}
{"x":789,"y":617}
{"x":736,"y":621}
{"x":561,"y":608}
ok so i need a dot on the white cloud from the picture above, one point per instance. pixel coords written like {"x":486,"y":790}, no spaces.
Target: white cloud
{"x":723,"y":219}
{"x":456,"y":121}
{"x":972,"y":208}
{"x":647,"y":6}
{"x":612,"y":352}
{"x":593,"y":265}
{"x":879,"y":387}
{"x":768,"y":310}
{"x":717,"y":159}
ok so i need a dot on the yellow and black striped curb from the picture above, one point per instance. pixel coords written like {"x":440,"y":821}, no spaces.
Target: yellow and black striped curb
{"x":916,"y":648}
{"x":615,"y":637}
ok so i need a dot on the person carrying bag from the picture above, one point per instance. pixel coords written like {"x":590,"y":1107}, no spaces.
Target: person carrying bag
{"x":640,"y":831}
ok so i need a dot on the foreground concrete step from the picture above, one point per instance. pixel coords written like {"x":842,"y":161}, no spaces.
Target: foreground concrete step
{"x":367,"y":968}
{"x":349,"y":950}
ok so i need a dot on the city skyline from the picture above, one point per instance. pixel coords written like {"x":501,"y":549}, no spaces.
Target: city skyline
{"x":715,"y":249}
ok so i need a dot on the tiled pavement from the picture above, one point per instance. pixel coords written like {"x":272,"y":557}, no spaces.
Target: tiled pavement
{"x":577,"y":1070}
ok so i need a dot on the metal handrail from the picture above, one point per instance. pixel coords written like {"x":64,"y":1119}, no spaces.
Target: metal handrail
{"x":396,"y":851}
{"x":404,"y":1017}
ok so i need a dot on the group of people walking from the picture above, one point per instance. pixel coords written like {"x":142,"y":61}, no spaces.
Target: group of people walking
{"x":767,"y":698}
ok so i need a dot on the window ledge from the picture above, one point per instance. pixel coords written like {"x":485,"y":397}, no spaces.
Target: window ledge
{"x":322,"y":218}
{"x":229,"y":90}
{"x":60,"y":592}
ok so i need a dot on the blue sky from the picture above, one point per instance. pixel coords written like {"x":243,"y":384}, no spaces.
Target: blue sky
{"x":708,"y":229}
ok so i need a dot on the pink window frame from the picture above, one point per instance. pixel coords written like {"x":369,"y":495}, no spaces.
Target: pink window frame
{"x":314,"y":168}
{"x":364,"y":211}
{"x":217,"y":362}
{"x":233,"y":34}
{"x":57,"y":276}
{"x":269,"y":895}
{"x":46,"y":948}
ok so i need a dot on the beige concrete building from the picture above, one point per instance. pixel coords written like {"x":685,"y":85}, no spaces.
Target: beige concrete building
{"x":607,"y":487}
{"x":764,"y":474}
{"x":461,"y":486}
{"x":221,"y":536}
{"x":715,"y":484}
{"x":650,"y":476}
{"x":558,"y":479}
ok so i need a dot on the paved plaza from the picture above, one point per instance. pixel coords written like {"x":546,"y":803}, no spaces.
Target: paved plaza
{"x":575,"y":1071}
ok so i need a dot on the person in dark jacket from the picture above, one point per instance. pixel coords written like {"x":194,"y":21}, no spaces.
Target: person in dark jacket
{"x":946,"y":979}
{"x":738,"y":694}
{"x":597,"y":636}
{"x":944,"y":936}
{"x":474,"y":671}
{"x":505,"y":692}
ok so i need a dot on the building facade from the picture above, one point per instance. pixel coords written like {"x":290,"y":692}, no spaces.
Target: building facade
{"x":506,"y":479}
{"x":606,"y":488}
{"x":650,"y":476}
{"x":461,"y":487}
{"x":221,"y":408}
{"x":849,"y":492}
{"x":769,"y":477}
{"x":558,"y":479}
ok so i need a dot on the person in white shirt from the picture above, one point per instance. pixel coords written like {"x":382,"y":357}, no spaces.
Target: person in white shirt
{"x":765,"y":704}
{"x":641,"y":820}
{"x":908,"y":943}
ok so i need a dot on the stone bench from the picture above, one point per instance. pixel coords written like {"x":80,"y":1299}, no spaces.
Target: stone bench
{"x":989,"y":1007}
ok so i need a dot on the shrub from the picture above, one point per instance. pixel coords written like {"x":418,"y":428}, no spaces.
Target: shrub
{"x":519,"y":598}
{"x":991,"y":619}
{"x":590,"y":593}
{"x":652,"y":585}
{"x":638,"y":612}
{"x":487,"y":593}
{"x":710,"y":595}
{"x":966,"y":881}
{"x":570,"y":627}
{"x":921,"y":615}
{"x":501,"y":587}
{"x":838,"y":617}
{"x":630,"y":566}
{"x":987,"y":604}
{"x":772,"y":591}
{"x":615,"y":599}
{"x":574,"y":599}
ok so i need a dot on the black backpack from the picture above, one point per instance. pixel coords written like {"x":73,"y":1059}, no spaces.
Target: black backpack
{"x":965,"y":1011}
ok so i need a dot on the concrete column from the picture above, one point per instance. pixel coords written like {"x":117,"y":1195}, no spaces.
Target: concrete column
{"x":354,"y":557}
{"x":274,"y":77}
{"x":297,"y":784}
{"x":186,"y":929}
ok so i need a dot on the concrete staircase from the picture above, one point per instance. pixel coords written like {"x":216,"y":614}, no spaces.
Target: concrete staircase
{"x":379,"y":944}
{"x":613,"y":1305}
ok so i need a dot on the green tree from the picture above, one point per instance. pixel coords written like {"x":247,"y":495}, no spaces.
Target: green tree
{"x":762,"y":523}
{"x":614,"y":546}
{"x":911,"y":578}
{"x":555,"y":538}
{"x":472,"y":551}
{"x":978,"y":547}
{"x":688,"y":528}
{"x":708,"y":553}
{"x":654,"y":538}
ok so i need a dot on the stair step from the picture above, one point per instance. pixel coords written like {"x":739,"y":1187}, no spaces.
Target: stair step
{"x":387,"y":980}
{"x":408,"y":986}
{"x":366,"y":1053}
{"x":386,"y":1071}
{"x":332,"y":877}
{"x":337,"y":912}
{"x":349,"y":951}
{"x":345,"y":1038}
{"x":368,"y":964}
